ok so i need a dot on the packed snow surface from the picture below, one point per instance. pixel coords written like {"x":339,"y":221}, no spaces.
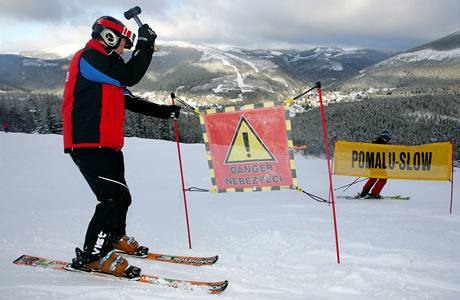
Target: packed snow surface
{"x":274,"y":245}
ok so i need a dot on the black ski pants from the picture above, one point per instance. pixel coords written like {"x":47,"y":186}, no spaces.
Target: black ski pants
{"x":103,"y":169}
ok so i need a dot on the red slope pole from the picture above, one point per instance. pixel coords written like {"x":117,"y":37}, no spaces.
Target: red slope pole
{"x":334,"y":139}
{"x":176,"y":128}
{"x":452,"y":180}
{"x":331,"y":188}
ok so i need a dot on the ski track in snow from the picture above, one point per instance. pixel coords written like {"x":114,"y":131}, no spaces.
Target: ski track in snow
{"x":213,"y":53}
{"x":210,"y":53}
{"x":235,"y":57}
{"x":275,"y":245}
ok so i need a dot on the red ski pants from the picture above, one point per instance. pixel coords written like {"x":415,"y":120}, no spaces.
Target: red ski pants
{"x":377,"y":188}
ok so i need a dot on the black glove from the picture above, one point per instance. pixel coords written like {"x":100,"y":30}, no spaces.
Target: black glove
{"x":146,"y":38}
{"x":173,"y":111}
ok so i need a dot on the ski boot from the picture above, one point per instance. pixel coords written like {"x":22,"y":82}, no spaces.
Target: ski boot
{"x":112,"y":264}
{"x":130,"y":246}
{"x":372,"y":196}
{"x":358,"y":196}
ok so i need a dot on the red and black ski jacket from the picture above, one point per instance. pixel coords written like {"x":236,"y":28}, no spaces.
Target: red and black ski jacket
{"x":95,"y":97}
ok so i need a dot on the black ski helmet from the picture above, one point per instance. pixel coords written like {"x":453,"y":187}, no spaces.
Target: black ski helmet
{"x":386,"y":135}
{"x":110,"y":30}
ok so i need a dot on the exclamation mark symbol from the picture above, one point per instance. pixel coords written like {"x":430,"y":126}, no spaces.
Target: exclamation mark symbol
{"x":246,"y":144}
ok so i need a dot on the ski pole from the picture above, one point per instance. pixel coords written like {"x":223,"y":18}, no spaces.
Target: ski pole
{"x":176,"y":129}
{"x":356,"y":181}
{"x":194,"y":109}
{"x":349,"y":184}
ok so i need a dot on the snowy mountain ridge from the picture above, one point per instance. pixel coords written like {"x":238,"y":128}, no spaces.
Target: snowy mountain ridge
{"x":423,"y":55}
{"x":226,"y":75}
{"x":432,"y":65}
{"x":214,"y":74}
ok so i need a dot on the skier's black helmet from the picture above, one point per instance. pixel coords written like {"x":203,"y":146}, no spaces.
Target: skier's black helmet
{"x":386,"y":135}
{"x":111,"y":30}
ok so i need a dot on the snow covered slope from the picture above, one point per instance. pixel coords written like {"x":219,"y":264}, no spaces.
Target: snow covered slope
{"x":277,"y":245}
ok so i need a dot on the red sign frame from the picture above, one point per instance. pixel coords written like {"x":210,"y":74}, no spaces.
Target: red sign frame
{"x":264,"y":129}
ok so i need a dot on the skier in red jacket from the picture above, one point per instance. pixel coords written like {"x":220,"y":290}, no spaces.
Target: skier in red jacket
{"x":95,"y":99}
{"x":376,"y":184}
{"x":6,"y":126}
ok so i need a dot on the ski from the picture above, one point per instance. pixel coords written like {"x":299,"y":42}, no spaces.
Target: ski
{"x":208,"y":286}
{"x":386,"y":197}
{"x":184,"y":260}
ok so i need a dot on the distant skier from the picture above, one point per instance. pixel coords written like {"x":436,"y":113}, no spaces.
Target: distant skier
{"x":95,"y":98}
{"x":6,"y":126}
{"x":376,"y":184}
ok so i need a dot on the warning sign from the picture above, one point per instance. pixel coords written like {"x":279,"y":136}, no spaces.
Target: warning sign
{"x":247,"y":146}
{"x":421,"y":162}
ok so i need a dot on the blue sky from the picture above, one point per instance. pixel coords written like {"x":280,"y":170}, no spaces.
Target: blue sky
{"x":30,"y":25}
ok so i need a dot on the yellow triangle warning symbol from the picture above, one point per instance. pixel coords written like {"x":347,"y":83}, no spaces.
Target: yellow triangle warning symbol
{"x":247,"y":146}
